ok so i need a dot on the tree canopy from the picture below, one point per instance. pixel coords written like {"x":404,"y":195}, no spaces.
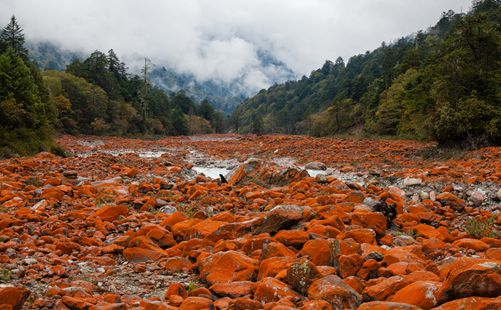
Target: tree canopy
{"x":440,"y":84}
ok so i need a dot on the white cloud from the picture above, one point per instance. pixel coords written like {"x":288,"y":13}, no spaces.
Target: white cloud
{"x":219,"y":39}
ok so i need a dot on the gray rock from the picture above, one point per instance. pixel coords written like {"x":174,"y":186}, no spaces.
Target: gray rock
{"x":30,"y":261}
{"x":371,"y":202}
{"x":316,"y":165}
{"x":477,"y":197}
{"x":424,"y":195}
{"x":412,"y":181}
{"x":168,"y":209}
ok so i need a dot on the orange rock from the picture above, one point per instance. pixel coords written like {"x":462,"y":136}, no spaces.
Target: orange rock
{"x":334,"y":221}
{"x":110,"y":213}
{"x":138,"y":255}
{"x":177,"y":264}
{"x":67,"y":247}
{"x":403,"y":254}
{"x":196,"y":303}
{"x":349,"y":265}
{"x":467,"y":277}
{"x":271,"y":289}
{"x":75,"y":303}
{"x":355,"y":283}
{"x":333,"y":290}
{"x":320,"y":252}
{"x":362,"y":235}
{"x":176,"y":289}
{"x":173,"y":219}
{"x":206,"y":227}
{"x":162,"y":237}
{"x":270,"y":267}
{"x":255,"y":243}
{"x":434,"y":246}
{"x":233,"y":289}
{"x":184,"y":230}
{"x":276,"y":249}
{"x":112,"y":298}
{"x":373,"y":220}
{"x":283,"y":216}
{"x":385,"y":305}
{"x":227,"y":267}
{"x":174,"y":300}
{"x":355,"y":197}
{"x":422,"y":294}
{"x":145,"y":243}
{"x":384,"y":288}
{"x":368,"y":270}
{"x":14,"y":297}
{"x":294,"y":238}
{"x":315,"y":305}
{"x":244,"y":303}
{"x":201,"y":292}
{"x":324,"y":231}
{"x":473,"y":244}
{"x":427,"y":231}
{"x":448,"y":199}
{"x":493,"y":253}
{"x":480,"y":303}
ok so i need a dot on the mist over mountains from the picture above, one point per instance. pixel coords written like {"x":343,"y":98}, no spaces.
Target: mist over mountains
{"x":224,"y":95}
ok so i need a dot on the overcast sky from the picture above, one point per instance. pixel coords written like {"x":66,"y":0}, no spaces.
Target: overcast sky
{"x":220,"y":38}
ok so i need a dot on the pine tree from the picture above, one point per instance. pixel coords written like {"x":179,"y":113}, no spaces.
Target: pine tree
{"x":12,"y":36}
{"x":115,"y":66}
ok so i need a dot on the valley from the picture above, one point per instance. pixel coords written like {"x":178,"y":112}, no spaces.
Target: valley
{"x":127,"y":223}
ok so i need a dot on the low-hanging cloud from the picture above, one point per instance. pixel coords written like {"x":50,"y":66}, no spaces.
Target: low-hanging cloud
{"x":220,"y":39}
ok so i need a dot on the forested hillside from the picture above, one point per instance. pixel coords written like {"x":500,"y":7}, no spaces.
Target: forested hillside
{"x":224,"y":96}
{"x":95,"y":96}
{"x":443,"y":83}
{"x":27,"y":114}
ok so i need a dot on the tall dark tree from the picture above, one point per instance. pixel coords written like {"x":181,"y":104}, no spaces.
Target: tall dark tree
{"x":12,"y":37}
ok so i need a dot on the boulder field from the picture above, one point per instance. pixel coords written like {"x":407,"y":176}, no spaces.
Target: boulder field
{"x":127,"y":224}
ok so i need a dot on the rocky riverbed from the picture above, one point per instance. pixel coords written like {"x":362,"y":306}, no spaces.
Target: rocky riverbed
{"x":295,"y":223}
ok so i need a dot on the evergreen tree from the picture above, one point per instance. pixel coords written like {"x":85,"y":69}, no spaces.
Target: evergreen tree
{"x":26,"y":118}
{"x":12,"y":37}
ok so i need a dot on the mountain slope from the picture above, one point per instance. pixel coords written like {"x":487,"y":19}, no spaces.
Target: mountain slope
{"x":440,"y":84}
{"x":224,"y":96}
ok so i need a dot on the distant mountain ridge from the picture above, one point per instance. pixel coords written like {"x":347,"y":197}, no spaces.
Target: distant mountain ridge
{"x":224,"y":96}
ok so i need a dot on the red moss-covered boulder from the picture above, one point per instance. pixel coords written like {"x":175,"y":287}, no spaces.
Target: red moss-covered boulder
{"x":333,"y":290}
{"x":483,"y":303}
{"x":319,"y":251}
{"x":196,"y":303}
{"x":467,"y":277}
{"x":349,"y":265}
{"x":227,"y":267}
{"x":110,"y":213}
{"x":422,"y":294}
{"x":233,"y":289}
{"x":271,"y":289}
{"x":386,"y":305}
{"x":366,"y":219}
{"x":448,"y":199}
{"x":270,"y":267}
{"x":283,"y":216}
{"x":13,"y":297}
{"x":138,"y":255}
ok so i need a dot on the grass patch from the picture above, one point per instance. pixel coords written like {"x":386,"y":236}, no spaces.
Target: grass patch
{"x":481,"y":228}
